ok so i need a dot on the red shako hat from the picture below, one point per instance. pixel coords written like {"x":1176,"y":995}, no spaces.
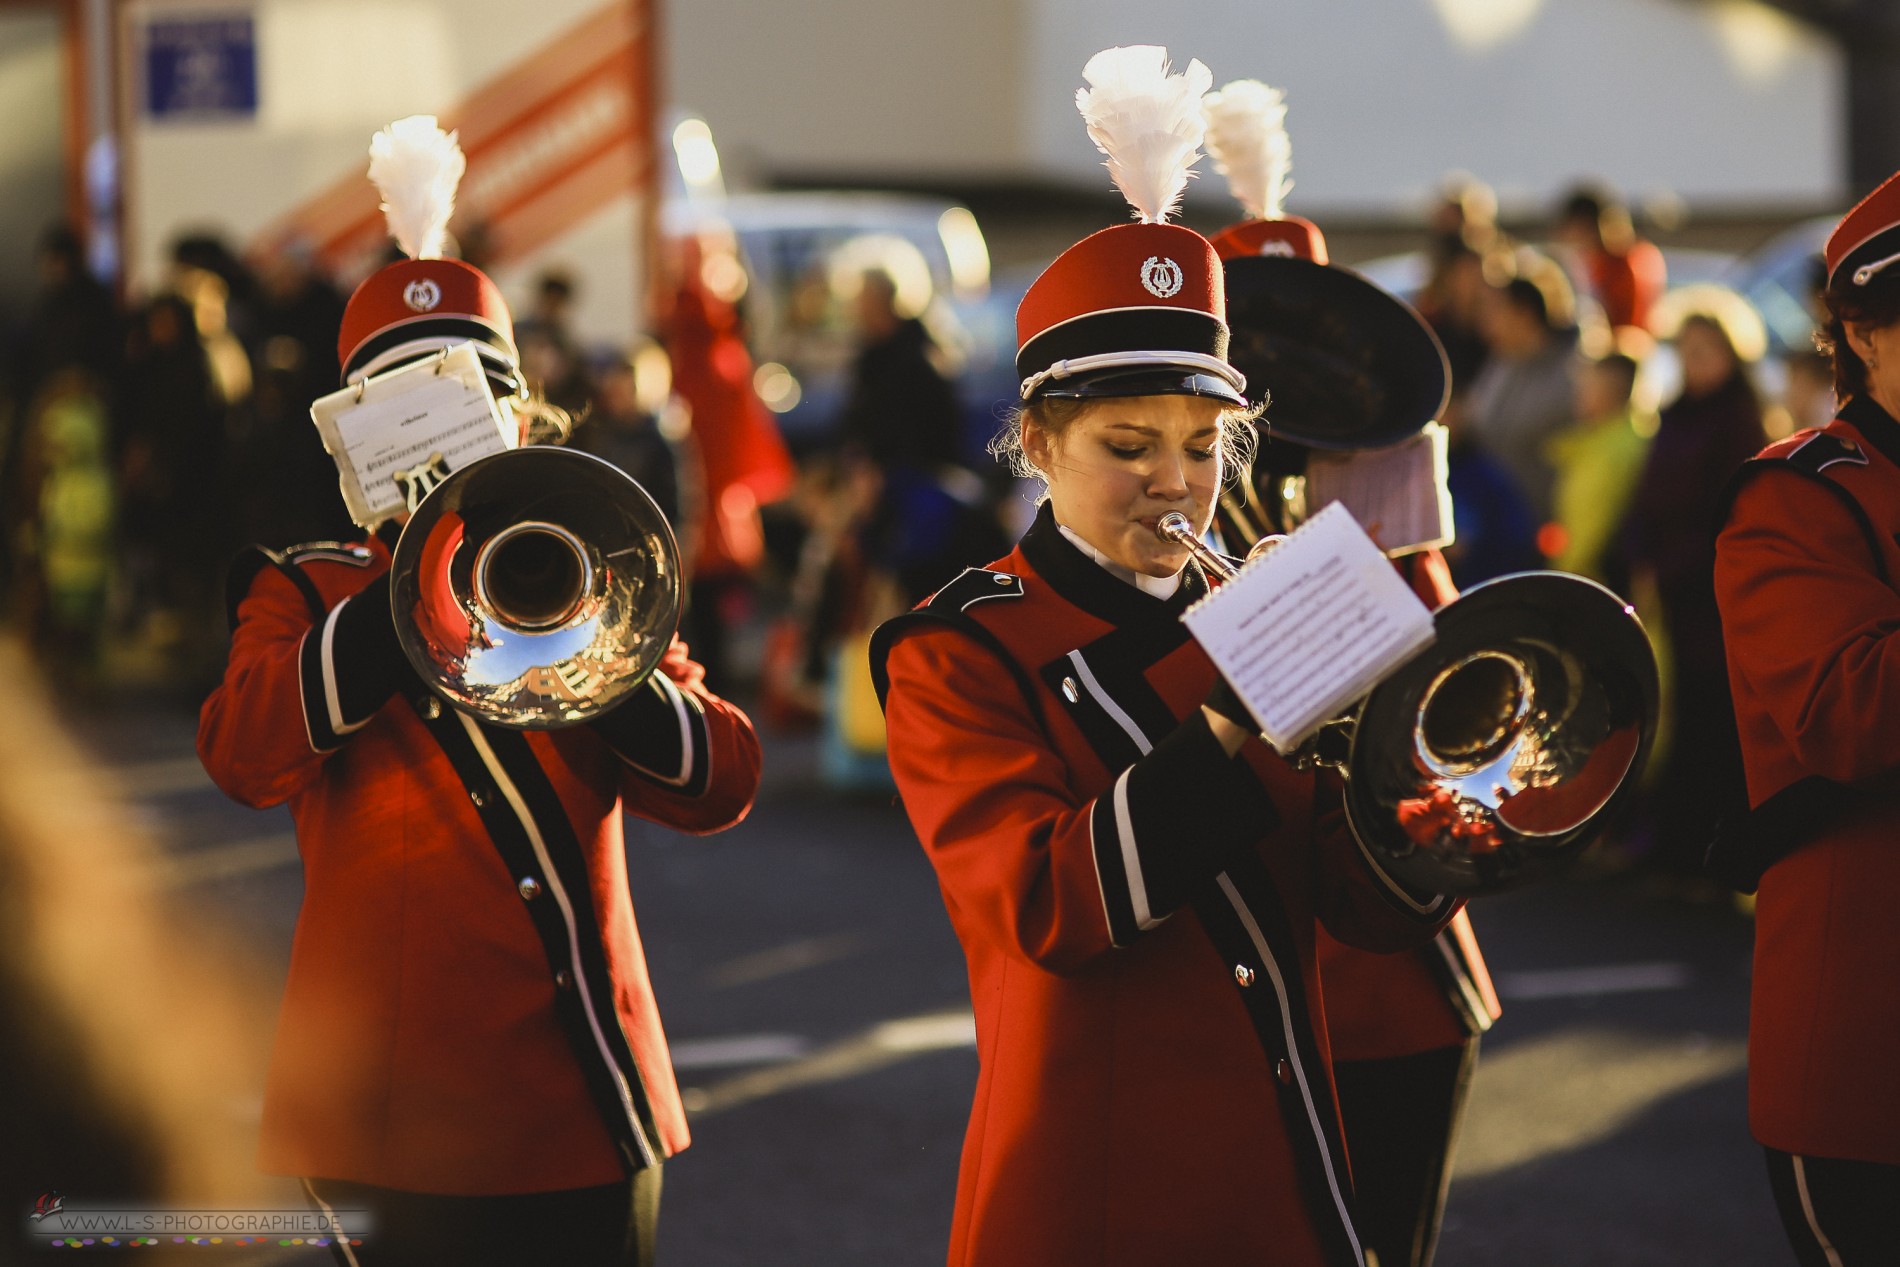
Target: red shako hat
{"x":413,"y":307}
{"x":1293,"y":237}
{"x":1867,"y":241}
{"x":1139,"y":309}
{"x":1247,"y":139}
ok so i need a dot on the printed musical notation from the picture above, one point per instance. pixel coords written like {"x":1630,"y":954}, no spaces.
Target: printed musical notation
{"x":1311,"y":626}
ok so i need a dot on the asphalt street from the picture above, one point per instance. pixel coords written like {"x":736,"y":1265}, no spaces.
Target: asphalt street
{"x":816,"y":1002}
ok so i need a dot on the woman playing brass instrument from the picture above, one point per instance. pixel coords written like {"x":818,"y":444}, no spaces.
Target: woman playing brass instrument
{"x":469,"y":1048}
{"x":1135,"y":877}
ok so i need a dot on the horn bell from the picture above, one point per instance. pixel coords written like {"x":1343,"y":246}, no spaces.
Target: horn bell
{"x":537,"y":588}
{"x":1501,"y":751}
{"x":1341,"y":363}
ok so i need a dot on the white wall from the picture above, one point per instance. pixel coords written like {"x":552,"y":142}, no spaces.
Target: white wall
{"x":910,"y":88}
{"x":330,"y":72}
{"x":1719,"y":103}
{"x":31,"y":86}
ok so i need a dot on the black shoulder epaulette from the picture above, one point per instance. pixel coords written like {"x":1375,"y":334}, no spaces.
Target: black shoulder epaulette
{"x":1810,"y":459}
{"x":354,"y":553}
{"x":254,"y":559}
{"x":950,"y":606}
{"x":973,"y":586}
{"x":1820,"y":451}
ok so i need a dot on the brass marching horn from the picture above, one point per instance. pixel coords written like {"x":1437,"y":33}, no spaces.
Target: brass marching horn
{"x":536,"y":588}
{"x":1501,"y":750}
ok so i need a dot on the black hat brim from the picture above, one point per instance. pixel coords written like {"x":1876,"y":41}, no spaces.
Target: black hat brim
{"x":1146,"y":380}
{"x":1341,"y":363}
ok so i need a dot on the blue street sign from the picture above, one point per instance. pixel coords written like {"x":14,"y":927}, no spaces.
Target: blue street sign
{"x":201,"y":67}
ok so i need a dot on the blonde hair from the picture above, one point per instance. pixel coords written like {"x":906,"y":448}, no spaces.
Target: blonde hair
{"x":1055,"y":415}
{"x":540,"y":419}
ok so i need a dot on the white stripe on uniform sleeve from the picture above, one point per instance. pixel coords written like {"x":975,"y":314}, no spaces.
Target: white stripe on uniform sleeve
{"x":327,"y":657}
{"x":1131,"y":857}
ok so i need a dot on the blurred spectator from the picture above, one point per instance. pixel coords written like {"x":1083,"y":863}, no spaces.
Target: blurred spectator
{"x":71,"y":545}
{"x":209,"y":297}
{"x":902,"y":411}
{"x":741,"y":458}
{"x":1807,"y":399}
{"x":71,"y":323}
{"x":1703,"y":436}
{"x":627,"y":425}
{"x":297,"y":302}
{"x":832,"y":591}
{"x":1597,"y":461}
{"x":284,"y":485}
{"x":550,"y":355}
{"x":1624,"y":273}
{"x":1465,"y":215}
{"x":1493,"y":530}
{"x":553,"y":367}
{"x":1452,"y":303}
{"x":207,"y":252}
{"x":170,"y":454}
{"x":1524,"y":394}
{"x":73,"y":320}
{"x":552,"y":314}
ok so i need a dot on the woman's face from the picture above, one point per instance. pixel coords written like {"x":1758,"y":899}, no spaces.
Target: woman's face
{"x":1125,"y":462}
{"x":1707,"y":362}
{"x":1879,"y":350}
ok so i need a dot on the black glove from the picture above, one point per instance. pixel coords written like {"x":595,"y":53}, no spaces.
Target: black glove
{"x":1223,"y":701}
{"x":367,"y":659}
{"x":646,"y":731}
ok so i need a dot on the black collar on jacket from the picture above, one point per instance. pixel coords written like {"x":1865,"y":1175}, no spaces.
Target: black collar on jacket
{"x":1087,"y":584}
{"x":1875,"y":423}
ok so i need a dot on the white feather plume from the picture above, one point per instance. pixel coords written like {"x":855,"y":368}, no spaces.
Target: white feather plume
{"x":416,"y":167}
{"x":1147,"y":121}
{"x":1247,"y":139}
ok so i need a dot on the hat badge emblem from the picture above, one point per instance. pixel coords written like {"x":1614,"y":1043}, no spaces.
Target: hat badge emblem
{"x":1161,"y":277}
{"x":1277,"y":247}
{"x":422,"y":295}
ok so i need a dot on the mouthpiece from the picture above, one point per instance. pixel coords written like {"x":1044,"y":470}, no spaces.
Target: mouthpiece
{"x":1174,"y":526}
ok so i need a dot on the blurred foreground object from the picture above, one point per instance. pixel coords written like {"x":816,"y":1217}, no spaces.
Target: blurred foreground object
{"x":131,"y":1036}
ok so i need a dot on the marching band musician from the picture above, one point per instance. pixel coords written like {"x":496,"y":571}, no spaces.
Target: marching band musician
{"x":1135,"y":877}
{"x":1404,"y":1028}
{"x":1807,"y":576}
{"x":469,"y":1047}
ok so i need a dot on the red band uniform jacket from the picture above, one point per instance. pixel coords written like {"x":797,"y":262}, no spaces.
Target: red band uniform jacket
{"x":1138,"y":912}
{"x":1379,"y":1007}
{"x":1808,"y":578}
{"x":468,"y":1010}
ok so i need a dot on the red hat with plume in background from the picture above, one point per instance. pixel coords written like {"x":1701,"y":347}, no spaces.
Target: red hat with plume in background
{"x":1346,"y":365}
{"x":1247,"y":139}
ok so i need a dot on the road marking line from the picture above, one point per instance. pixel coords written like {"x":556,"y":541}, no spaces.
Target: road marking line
{"x":1579,"y":983}
{"x":739,"y":1049}
{"x":227,"y":861}
{"x":884,"y":1044}
{"x":165,"y":777}
{"x":807,"y":952}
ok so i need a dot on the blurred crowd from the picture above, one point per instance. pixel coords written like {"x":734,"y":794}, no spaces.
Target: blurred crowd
{"x":1596,"y":419}
{"x":1596,"y":416}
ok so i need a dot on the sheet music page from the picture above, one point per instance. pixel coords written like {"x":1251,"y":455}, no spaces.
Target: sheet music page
{"x":1311,"y":626}
{"x":401,"y":419}
{"x":1400,"y":494}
